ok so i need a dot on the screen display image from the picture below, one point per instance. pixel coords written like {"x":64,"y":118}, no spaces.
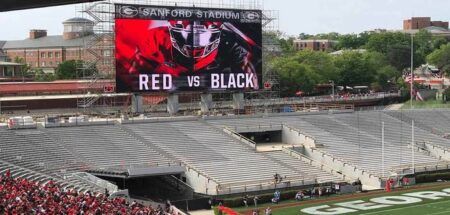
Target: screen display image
{"x":175,"y":49}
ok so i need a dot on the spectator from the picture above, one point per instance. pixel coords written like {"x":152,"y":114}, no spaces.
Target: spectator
{"x":255,"y":200}
{"x":20,"y":196}
{"x":268,"y":211}
{"x":337,"y":188}
{"x":313,"y":192}
{"x":276,"y":197}
{"x":405,"y":181}
{"x":245,"y":200}
{"x":299,"y":196}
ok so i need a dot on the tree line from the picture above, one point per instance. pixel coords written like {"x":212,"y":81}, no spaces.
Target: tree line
{"x":386,"y":56}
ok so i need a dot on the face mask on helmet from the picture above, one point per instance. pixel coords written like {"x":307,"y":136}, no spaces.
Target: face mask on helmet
{"x":195,"y":39}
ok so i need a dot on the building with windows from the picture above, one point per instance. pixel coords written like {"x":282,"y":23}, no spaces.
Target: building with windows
{"x":314,"y":45}
{"x":10,"y":71}
{"x":417,"y":23}
{"x":42,"y":51}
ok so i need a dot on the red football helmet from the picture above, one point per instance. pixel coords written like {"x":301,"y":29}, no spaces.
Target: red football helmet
{"x":195,"y":39}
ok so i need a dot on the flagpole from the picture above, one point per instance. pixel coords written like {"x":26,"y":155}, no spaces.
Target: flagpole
{"x":412,"y":147}
{"x":412,"y":70}
{"x":382,"y":149}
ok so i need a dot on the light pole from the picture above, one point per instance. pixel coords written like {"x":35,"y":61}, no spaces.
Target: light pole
{"x":332,"y":88}
{"x":412,"y":70}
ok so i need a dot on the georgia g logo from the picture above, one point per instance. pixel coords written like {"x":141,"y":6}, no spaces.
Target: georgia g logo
{"x":251,"y":16}
{"x":128,"y":11}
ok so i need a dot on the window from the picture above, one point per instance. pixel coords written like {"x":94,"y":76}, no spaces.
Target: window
{"x":50,"y":63}
{"x":50,"y":54}
{"x":106,"y":53}
{"x":106,"y":62}
{"x":43,"y":64}
{"x":56,"y":54}
{"x":42,"y":54}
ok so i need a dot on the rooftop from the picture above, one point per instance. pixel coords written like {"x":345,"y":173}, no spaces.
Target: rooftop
{"x":3,"y":63}
{"x":314,"y":40}
{"x":78,"y":20}
{"x":46,"y":42}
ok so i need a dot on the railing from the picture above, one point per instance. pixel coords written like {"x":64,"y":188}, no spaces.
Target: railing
{"x":256,"y":185}
{"x":91,"y":179}
{"x":255,"y":128}
{"x":239,"y":137}
{"x":318,"y":164}
{"x":289,"y":101}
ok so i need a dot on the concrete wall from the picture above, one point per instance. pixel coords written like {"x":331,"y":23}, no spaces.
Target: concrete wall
{"x":437,"y":151}
{"x":200,"y":183}
{"x":292,"y":136}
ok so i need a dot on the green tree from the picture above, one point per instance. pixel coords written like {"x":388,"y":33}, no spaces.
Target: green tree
{"x":71,"y":70}
{"x":441,"y":58}
{"x":25,"y":68}
{"x":295,"y":76}
{"x":386,"y":76}
{"x":354,"y":69}
{"x":40,"y":75}
{"x":321,"y":63}
{"x":352,"y":41}
{"x":395,"y":45}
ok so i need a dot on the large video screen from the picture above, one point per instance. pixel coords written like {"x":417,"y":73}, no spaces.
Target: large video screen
{"x":173,"y":49}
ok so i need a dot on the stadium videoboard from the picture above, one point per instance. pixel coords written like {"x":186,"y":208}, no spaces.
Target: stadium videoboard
{"x":173,"y":49}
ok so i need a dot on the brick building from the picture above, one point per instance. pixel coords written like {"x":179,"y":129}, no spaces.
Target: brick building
{"x":314,"y":45}
{"x":45,"y":52}
{"x":417,"y":23}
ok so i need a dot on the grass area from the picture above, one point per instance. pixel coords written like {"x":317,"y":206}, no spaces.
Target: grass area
{"x":426,"y":104}
{"x":432,"y":207}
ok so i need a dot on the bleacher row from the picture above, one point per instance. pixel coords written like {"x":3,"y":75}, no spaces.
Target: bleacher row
{"x":202,"y":145}
{"x":219,"y":156}
{"x":356,"y":137}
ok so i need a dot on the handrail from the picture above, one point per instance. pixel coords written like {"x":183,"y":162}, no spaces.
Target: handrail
{"x":310,"y":159}
{"x":240,"y":136}
{"x":263,"y":181}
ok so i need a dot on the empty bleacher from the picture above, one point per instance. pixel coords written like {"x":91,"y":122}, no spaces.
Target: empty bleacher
{"x":106,"y":146}
{"x":355,"y":137}
{"x":435,"y":121}
{"x":215,"y":153}
{"x":202,"y":145}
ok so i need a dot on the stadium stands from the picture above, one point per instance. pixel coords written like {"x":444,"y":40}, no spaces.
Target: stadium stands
{"x":106,"y":146}
{"x":22,"y":196}
{"x":203,"y":148}
{"x":435,"y":121}
{"x":356,"y":137}
{"x":212,"y":152}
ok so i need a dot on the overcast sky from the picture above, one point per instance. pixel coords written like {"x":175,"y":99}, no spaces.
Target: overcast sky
{"x":296,"y":16}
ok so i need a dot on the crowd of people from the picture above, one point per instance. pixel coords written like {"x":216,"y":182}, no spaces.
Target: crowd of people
{"x":21,"y":196}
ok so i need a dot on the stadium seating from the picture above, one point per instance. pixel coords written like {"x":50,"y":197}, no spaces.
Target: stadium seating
{"x":106,"y":146}
{"x":435,"y":121}
{"x":354,"y":137}
{"x":53,"y":153}
{"x":22,"y":196}
{"x":210,"y":150}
